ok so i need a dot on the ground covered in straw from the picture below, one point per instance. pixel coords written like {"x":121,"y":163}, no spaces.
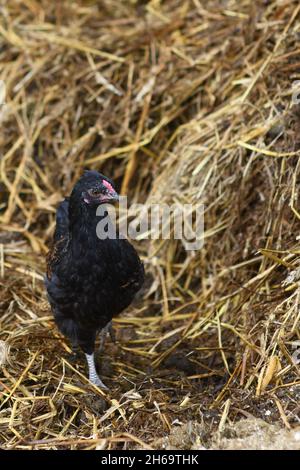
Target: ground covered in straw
{"x":179,"y":102}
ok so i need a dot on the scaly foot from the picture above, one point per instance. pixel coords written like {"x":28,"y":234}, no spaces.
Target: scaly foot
{"x":93,"y":376}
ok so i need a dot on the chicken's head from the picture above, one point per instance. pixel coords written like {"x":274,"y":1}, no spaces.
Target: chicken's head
{"x":94,"y":189}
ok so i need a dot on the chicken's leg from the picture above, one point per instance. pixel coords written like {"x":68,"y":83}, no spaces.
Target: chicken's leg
{"x":75,"y":354}
{"x":93,"y":376}
{"x":107,"y":329}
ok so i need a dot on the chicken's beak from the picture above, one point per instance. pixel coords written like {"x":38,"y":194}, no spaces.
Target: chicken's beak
{"x":111,"y":196}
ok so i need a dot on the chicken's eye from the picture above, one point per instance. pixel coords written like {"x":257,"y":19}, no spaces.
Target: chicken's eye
{"x":94,"y":192}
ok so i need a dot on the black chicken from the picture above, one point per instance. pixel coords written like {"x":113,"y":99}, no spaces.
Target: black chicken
{"x":89,"y":279}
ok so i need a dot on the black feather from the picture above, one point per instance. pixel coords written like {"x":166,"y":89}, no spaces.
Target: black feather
{"x":62,"y":220}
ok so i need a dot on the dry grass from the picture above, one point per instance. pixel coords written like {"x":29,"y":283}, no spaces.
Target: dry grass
{"x":177,"y":101}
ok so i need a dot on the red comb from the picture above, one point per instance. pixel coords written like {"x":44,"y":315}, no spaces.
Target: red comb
{"x":108,"y":185}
